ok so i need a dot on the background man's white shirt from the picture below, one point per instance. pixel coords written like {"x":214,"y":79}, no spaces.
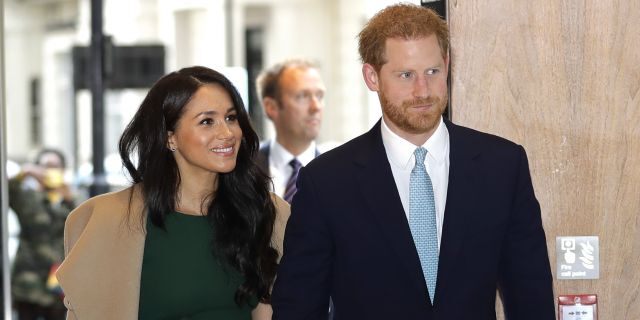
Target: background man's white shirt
{"x":279,"y":167}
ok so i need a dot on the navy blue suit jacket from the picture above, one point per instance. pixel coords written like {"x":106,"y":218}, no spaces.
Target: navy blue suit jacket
{"x":348,"y":238}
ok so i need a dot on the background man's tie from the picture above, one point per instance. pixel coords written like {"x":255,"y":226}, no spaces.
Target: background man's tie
{"x":422,"y":220}
{"x":291,"y":189}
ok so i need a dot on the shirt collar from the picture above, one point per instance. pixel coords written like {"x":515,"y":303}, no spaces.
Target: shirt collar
{"x":280,"y":157}
{"x":400,"y":151}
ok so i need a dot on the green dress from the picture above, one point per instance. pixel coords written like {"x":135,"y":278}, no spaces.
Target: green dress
{"x":181,"y":278}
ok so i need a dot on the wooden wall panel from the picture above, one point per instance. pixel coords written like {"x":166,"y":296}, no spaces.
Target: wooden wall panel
{"x":562,"y":78}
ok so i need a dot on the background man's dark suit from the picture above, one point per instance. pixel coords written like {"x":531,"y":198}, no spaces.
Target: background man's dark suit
{"x":263,"y":157}
{"x":348,"y":237}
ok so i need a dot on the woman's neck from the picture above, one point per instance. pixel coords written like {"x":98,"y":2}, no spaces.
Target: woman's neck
{"x":195,"y":195}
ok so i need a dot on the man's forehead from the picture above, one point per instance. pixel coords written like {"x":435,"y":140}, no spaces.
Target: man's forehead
{"x":300,"y":76}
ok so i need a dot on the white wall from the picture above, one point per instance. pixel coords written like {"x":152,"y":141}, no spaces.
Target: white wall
{"x":23,"y":55}
{"x":193,"y":32}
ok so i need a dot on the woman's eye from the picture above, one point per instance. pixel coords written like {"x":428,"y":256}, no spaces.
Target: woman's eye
{"x":231,"y":118}
{"x":207,"y":121}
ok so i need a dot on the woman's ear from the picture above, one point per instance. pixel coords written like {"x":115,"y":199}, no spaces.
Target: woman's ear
{"x":171,"y":141}
{"x":370,"y":77}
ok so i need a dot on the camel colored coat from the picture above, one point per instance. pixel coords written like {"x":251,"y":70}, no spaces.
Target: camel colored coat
{"x":104,"y":246}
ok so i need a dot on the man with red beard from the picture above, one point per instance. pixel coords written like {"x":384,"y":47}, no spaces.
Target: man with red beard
{"x":418,"y":218}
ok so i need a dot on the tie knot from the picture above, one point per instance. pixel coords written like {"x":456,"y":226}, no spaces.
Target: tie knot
{"x":295,"y":164}
{"x":420,"y":153}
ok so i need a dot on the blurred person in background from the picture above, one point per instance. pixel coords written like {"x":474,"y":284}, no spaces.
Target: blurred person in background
{"x":41,"y":200}
{"x":198,"y":235}
{"x":292,"y":94}
{"x":13,"y":226}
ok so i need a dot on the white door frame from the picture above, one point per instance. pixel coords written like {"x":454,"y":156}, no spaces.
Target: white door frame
{"x":4,"y":197}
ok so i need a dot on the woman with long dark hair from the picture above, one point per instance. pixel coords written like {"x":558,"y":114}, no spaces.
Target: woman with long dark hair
{"x":198,"y":234}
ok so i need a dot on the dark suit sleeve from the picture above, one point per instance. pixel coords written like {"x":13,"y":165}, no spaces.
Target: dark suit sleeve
{"x":302,"y":286}
{"x":526,"y":283}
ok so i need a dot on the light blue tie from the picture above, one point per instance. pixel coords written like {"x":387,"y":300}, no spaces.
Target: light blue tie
{"x":422,"y":220}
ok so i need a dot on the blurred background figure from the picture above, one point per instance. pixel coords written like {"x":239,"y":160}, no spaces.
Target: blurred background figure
{"x":41,"y":200}
{"x":13,"y":226}
{"x":292,"y":94}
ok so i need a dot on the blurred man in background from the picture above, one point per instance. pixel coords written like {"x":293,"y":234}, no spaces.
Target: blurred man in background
{"x":292,"y":94}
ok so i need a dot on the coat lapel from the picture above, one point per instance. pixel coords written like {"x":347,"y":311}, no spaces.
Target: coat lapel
{"x":373,"y":172}
{"x":101,"y":273}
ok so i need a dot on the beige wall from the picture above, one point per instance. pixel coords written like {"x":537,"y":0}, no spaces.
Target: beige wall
{"x":562,"y":78}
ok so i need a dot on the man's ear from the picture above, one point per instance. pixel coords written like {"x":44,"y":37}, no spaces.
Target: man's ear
{"x":370,"y":77}
{"x":271,"y":107}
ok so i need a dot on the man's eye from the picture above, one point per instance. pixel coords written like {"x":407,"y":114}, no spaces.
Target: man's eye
{"x":433,"y":71}
{"x":405,"y":75}
{"x":302,"y":96}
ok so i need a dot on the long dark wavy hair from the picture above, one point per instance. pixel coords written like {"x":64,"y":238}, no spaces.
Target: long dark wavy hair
{"x":242,"y":213}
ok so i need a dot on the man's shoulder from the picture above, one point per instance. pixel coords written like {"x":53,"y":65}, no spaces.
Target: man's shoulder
{"x":264,"y":149}
{"x":472,"y":137}
{"x":339,"y":155}
{"x":262,"y":157}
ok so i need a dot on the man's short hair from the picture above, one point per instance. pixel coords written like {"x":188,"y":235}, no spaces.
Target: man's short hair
{"x":403,"y":21}
{"x":268,"y":81}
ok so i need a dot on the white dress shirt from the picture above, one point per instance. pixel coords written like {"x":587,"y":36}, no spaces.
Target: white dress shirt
{"x":279,"y":167}
{"x":400,"y":154}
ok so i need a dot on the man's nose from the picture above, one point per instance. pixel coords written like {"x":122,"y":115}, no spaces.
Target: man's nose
{"x":315,"y":103}
{"x":421,"y":87}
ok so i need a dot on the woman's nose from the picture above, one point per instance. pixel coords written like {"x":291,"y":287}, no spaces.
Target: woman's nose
{"x":223,"y":131}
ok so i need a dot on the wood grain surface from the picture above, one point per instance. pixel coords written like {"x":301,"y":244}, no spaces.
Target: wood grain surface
{"x":562,"y":78}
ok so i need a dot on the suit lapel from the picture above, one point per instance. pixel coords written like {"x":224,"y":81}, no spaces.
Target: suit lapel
{"x":374,"y":175}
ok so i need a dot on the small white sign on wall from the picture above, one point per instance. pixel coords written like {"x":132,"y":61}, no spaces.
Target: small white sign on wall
{"x":578,"y":257}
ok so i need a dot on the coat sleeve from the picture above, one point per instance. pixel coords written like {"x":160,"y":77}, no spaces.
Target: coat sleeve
{"x":75,"y":225}
{"x":526,"y":283}
{"x":73,"y":228}
{"x":302,"y":286}
{"x":283,"y":211}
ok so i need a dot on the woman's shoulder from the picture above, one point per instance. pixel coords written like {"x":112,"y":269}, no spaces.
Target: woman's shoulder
{"x":112,"y":203}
